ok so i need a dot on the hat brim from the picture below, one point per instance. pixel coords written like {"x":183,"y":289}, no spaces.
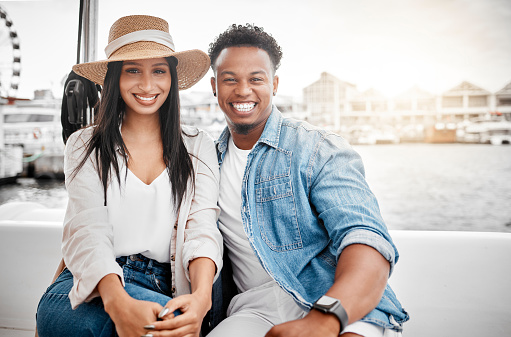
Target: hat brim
{"x":191,"y":68}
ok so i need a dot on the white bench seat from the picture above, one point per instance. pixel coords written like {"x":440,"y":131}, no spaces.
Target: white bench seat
{"x":451,"y":283}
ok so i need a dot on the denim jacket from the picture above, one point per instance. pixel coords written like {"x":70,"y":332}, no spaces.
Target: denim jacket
{"x":304,"y":199}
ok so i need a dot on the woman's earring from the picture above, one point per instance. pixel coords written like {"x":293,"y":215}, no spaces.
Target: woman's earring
{"x":214,"y":94}
{"x":274,"y":93}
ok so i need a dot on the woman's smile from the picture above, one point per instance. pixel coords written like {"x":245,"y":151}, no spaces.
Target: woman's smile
{"x":145,"y":85}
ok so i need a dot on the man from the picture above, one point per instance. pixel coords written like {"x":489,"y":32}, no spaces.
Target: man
{"x":310,"y":252}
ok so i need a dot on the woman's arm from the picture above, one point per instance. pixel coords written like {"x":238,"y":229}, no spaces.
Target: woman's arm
{"x":202,"y":272}
{"x":202,"y":237}
{"x":87,"y":240}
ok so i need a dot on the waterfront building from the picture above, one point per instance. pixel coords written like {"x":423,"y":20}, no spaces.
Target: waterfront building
{"x":325,"y":100}
{"x":338,"y":105}
{"x":414,"y":106}
{"x":503,"y":101}
{"x":465,"y":101}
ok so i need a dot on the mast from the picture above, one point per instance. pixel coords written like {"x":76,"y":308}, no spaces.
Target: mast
{"x":87,"y":40}
{"x":89,"y":31}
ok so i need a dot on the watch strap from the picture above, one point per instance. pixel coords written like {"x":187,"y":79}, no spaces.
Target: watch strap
{"x":337,"y":309}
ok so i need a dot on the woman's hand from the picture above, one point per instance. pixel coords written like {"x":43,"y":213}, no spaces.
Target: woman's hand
{"x":193,"y":307}
{"x":128,"y":314}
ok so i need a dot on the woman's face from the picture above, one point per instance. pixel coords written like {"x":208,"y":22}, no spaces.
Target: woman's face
{"x":144,"y":85}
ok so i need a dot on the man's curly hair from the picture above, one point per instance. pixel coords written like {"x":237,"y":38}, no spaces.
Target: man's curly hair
{"x":246,"y":36}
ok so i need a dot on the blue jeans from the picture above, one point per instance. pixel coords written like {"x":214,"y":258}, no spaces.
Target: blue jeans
{"x":145,"y":279}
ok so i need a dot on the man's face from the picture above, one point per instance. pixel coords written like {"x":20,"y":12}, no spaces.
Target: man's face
{"x":245,"y":85}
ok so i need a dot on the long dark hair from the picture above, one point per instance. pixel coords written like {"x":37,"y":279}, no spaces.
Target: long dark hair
{"x":106,"y":137}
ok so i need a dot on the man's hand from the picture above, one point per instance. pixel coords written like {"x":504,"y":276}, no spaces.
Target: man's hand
{"x":314,"y":324}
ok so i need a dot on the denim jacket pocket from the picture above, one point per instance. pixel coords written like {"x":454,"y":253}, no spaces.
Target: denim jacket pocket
{"x":276,"y":201}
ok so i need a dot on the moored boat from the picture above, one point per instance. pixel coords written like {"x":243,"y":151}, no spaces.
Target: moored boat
{"x":495,"y":130}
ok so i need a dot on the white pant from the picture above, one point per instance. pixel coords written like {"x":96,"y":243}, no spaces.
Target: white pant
{"x":254,"y":312}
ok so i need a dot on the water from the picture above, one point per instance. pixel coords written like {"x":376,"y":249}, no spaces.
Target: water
{"x":51,"y":193}
{"x":441,"y":187}
{"x":419,"y":186}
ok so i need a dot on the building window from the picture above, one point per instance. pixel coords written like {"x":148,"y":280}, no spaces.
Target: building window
{"x":358,"y":106}
{"x":403,"y":105}
{"x":503,"y":101}
{"x":378,"y":106}
{"x":426,"y":104}
{"x":452,"y":102}
{"x":477,"y":101}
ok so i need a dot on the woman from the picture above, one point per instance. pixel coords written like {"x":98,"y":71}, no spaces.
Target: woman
{"x":140,"y":226}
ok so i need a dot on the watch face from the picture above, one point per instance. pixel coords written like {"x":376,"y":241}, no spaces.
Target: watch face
{"x":327,"y":301}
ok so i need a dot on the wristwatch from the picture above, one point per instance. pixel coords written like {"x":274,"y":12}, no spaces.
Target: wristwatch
{"x":330,"y":305}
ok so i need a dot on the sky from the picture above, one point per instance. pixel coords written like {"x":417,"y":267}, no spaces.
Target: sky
{"x":387,"y":45}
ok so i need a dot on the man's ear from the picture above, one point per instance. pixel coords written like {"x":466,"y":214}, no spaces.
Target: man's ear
{"x":213,"y":85}
{"x":275,"y":83}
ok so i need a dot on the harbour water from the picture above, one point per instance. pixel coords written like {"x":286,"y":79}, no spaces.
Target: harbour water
{"x":419,"y":186}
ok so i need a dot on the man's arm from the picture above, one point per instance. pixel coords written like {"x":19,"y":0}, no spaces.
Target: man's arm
{"x":360,"y":280}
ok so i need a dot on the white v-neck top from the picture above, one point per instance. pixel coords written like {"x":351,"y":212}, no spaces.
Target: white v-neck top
{"x":142,"y":216}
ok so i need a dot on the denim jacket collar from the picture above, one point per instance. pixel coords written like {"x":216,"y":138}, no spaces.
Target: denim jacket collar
{"x":270,"y":135}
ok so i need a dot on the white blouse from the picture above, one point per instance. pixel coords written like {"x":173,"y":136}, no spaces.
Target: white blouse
{"x":142,"y":215}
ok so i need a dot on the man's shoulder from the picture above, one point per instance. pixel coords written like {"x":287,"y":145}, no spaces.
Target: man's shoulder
{"x":294,"y":130}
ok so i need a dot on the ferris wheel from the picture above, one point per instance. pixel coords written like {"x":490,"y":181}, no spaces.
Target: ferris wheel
{"x":10,"y":56}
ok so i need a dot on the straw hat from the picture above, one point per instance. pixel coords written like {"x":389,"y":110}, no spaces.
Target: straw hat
{"x":139,"y":37}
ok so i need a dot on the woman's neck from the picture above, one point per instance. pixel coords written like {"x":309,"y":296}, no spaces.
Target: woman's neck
{"x":141,"y":127}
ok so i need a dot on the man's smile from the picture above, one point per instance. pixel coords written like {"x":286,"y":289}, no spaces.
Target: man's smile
{"x":243,"y":107}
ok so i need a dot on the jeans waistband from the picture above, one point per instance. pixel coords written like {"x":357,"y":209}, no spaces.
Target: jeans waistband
{"x":145,"y":264}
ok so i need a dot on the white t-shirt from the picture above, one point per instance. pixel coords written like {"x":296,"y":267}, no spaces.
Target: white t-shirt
{"x":247,"y":270}
{"x":142,"y":216}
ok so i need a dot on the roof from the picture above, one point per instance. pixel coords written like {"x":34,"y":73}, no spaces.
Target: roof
{"x":414,"y":92}
{"x":466,"y":88}
{"x":329,"y":77}
{"x":504,"y":91}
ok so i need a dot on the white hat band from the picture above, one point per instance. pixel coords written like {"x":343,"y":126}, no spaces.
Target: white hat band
{"x":152,"y":35}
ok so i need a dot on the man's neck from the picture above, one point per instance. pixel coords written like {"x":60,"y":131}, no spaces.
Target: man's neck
{"x":244,"y":142}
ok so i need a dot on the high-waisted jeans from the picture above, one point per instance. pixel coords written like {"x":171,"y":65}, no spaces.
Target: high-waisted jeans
{"x":145,"y":279}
